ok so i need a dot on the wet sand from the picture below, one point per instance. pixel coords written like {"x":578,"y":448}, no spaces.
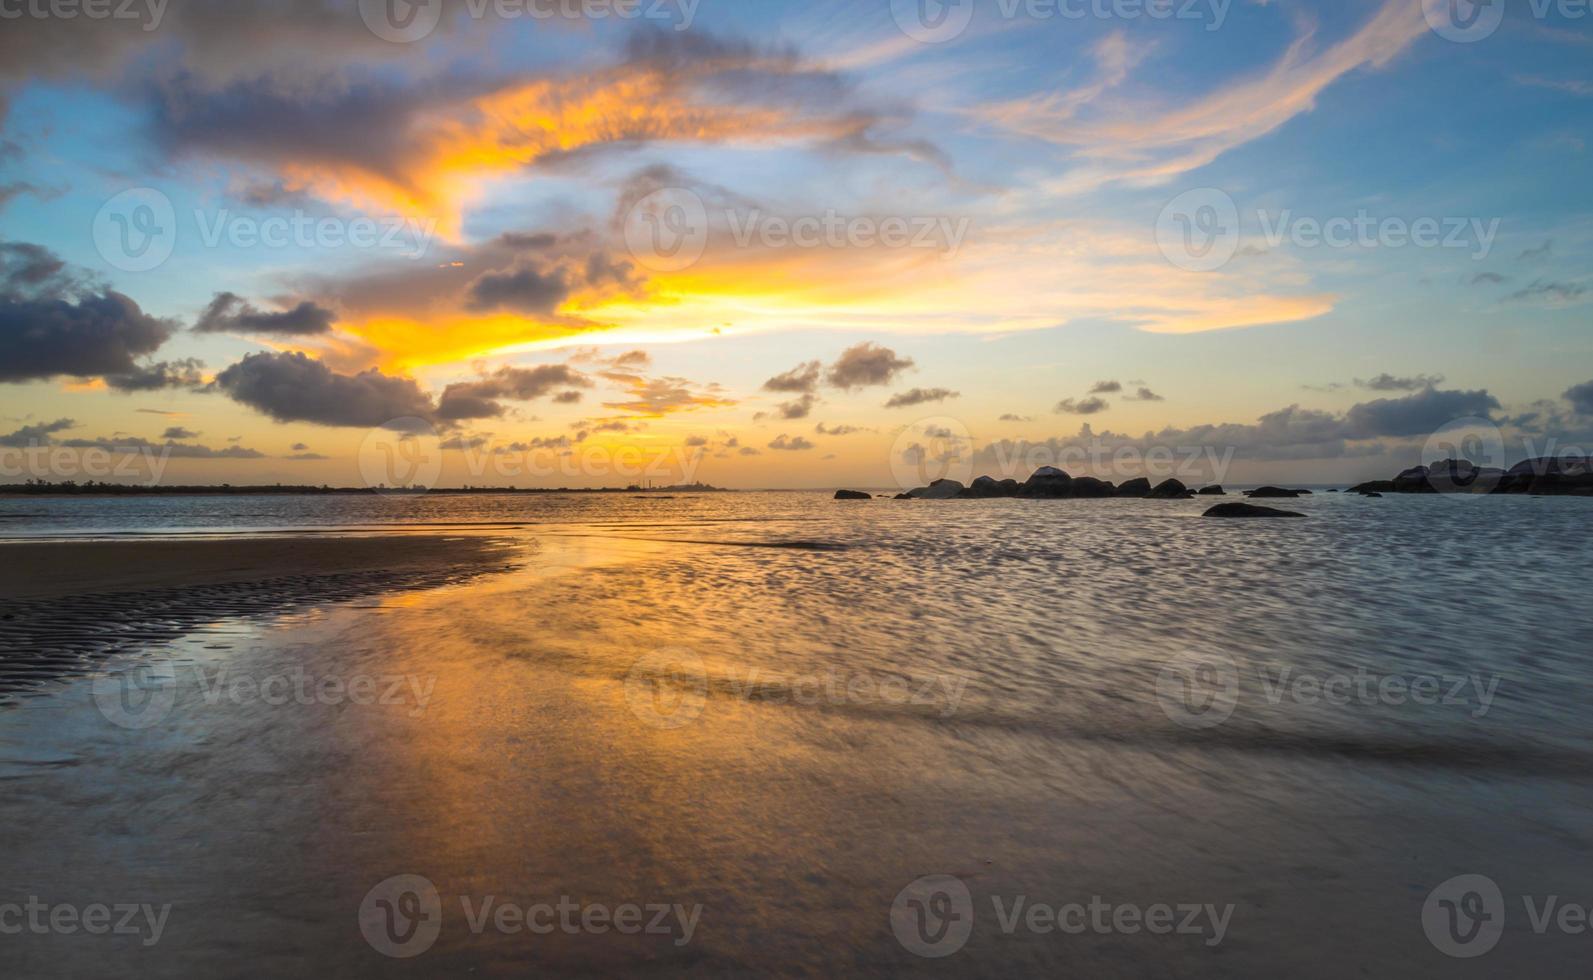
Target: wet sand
{"x":33,"y":570}
{"x":66,"y":605}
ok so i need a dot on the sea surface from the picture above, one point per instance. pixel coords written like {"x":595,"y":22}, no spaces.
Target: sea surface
{"x":853,"y":737}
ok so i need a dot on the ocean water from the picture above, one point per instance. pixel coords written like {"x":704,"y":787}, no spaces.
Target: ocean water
{"x":847,"y":735}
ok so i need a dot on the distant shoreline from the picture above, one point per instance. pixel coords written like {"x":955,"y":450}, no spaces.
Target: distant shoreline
{"x":117,"y":490}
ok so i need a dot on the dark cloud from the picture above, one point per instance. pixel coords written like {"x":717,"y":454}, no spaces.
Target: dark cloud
{"x":1089,"y":406}
{"x":694,"y":442}
{"x":178,"y":432}
{"x":568,"y":397}
{"x":1581,"y":398}
{"x":174,"y":450}
{"x":1541,"y":252}
{"x":1010,"y":417}
{"x":1389,"y":382}
{"x":482,"y":399}
{"x":790,"y":443}
{"x":837,"y":430}
{"x":184,"y":373}
{"x":865,"y":365}
{"x":919,"y":396}
{"x":802,"y":378}
{"x":290,"y":387}
{"x":1106,"y":388}
{"x":525,"y":289}
{"x":798,"y":408}
{"x":39,"y":434}
{"x":1488,"y":278}
{"x":230,"y":313}
{"x":1419,"y":414}
{"x":1144,"y":395}
{"x":634,"y":359}
{"x":1554,"y":293}
{"x":54,"y":322}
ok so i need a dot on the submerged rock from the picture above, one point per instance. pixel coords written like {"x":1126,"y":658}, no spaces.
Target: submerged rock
{"x":1265,"y":492}
{"x":1248,"y":510}
{"x":1215,"y":490}
{"x":852,"y":495}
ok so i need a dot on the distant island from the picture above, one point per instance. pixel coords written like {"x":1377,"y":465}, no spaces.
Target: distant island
{"x":69,"y":488}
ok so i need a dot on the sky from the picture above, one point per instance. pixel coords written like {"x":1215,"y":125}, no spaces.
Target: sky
{"x":580,"y":243}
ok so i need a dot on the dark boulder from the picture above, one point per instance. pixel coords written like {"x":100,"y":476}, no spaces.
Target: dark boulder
{"x":1169,"y":490}
{"x":1140,"y":487}
{"x":1271,"y":492}
{"x":852,"y":495}
{"x":1048,"y":481}
{"x":1089,"y":488}
{"x":939,"y":490}
{"x":1370,"y":493}
{"x":1248,"y":510}
{"x":1373,"y":486}
{"x":1215,"y":490}
{"x":987,"y":487}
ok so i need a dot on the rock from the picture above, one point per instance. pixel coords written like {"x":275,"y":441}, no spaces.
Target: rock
{"x":1215,"y":490}
{"x":1140,"y":487}
{"x":1169,"y":490}
{"x":987,"y":487}
{"x":1266,"y":492}
{"x":1370,"y":493}
{"x":852,"y":495}
{"x":1089,"y":488}
{"x":1373,"y":486}
{"x":939,"y":490}
{"x":1248,"y":510}
{"x":903,"y":496}
{"x":1048,"y":481}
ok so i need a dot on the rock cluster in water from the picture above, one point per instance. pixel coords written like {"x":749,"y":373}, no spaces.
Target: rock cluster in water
{"x":1046,"y":483}
{"x":1559,"y":476}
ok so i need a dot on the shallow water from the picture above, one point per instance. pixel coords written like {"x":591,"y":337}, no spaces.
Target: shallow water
{"x":1053,"y":700}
